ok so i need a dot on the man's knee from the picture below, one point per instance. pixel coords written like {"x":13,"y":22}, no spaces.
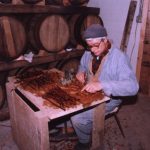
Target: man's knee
{"x":76,"y":120}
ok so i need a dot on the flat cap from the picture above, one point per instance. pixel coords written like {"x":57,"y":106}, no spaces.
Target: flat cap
{"x":94,"y":31}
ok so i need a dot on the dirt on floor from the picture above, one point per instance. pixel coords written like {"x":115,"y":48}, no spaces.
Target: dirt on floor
{"x":134,"y":119}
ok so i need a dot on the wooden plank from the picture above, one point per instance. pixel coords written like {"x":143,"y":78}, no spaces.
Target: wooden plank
{"x":52,"y":111}
{"x":142,"y":36}
{"x":128,"y":25}
{"x":39,"y":60}
{"x":29,"y":127}
{"x":43,"y":132}
{"x":147,"y":34}
{"x":9,"y":38}
{"x":42,"y":2}
{"x":14,"y":38}
{"x":12,"y":110}
{"x":145,"y":80}
{"x":146,"y":53}
{"x":98,"y":128}
{"x":47,"y":9}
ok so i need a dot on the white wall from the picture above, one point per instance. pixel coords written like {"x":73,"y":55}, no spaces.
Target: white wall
{"x":94,"y":3}
{"x":114,"y":14}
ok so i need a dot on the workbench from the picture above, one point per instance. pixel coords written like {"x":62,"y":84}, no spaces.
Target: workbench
{"x":30,"y":118}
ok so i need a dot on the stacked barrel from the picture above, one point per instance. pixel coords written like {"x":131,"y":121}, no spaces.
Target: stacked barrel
{"x":52,"y":33}
{"x":48,"y":2}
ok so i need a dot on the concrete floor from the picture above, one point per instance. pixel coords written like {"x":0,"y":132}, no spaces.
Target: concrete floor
{"x":134,"y":118}
{"x":135,"y":121}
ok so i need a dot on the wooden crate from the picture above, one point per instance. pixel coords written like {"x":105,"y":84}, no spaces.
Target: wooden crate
{"x":30,"y":118}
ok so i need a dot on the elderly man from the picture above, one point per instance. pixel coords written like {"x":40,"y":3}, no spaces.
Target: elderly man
{"x":102,"y":67}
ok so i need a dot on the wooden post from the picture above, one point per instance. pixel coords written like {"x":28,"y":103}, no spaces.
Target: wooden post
{"x":142,"y":36}
{"x":98,"y":128}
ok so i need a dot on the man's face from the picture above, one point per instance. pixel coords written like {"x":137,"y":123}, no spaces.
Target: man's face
{"x":97,"y":45}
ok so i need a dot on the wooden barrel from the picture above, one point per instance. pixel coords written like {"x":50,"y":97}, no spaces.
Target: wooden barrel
{"x":71,"y":64}
{"x":13,"y":72}
{"x":81,"y":25}
{"x":31,"y":1}
{"x":32,"y":24}
{"x":2,"y":95}
{"x":3,"y":76}
{"x":5,"y":1}
{"x":72,"y":25}
{"x":78,"y":23}
{"x":67,"y":2}
{"x":3,"y":79}
{"x":13,"y":38}
{"x":50,"y":33}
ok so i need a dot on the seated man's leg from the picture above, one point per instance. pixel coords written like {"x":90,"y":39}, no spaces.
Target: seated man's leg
{"x":111,"y":105}
{"x":82,"y":124}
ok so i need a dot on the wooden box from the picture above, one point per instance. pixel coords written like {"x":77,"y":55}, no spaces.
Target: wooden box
{"x":30,"y":118}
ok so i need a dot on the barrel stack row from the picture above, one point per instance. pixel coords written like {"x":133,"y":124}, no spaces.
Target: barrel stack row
{"x":47,"y":2}
{"x":25,"y":31}
{"x":48,"y":32}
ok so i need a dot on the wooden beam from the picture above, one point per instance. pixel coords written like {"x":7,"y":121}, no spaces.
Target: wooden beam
{"x":10,"y":9}
{"x":142,"y":37}
{"x":40,"y":60}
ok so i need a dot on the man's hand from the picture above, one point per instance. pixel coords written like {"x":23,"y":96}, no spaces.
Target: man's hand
{"x":81,"y":77}
{"x":92,"y":87}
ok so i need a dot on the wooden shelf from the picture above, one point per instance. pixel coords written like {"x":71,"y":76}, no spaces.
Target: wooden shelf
{"x":26,"y":9}
{"x":40,"y":60}
{"x":11,"y":9}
